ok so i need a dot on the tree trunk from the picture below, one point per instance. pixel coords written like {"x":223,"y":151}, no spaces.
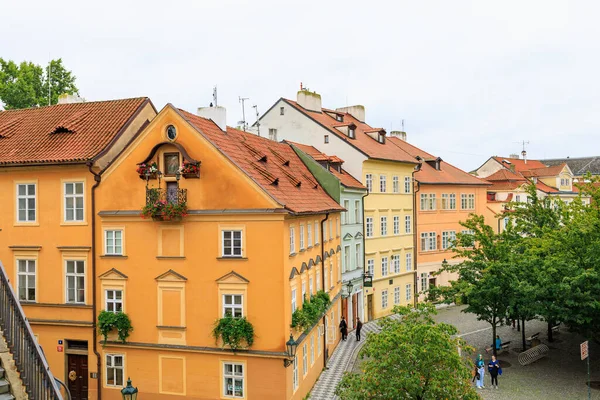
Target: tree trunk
{"x":495,"y":352}
{"x":518,"y":324}
{"x":550,"y":325}
{"x":523,"y":336}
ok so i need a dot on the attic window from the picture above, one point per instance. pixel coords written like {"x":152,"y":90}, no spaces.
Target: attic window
{"x":339,"y":118}
{"x":506,"y":161}
{"x":326,"y":139}
{"x":352,"y":132}
{"x":281,"y":110}
{"x":381,"y":138}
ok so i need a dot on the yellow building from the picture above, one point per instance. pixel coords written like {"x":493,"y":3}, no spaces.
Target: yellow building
{"x":259,"y":235}
{"x":48,"y":158}
{"x":384,"y":169}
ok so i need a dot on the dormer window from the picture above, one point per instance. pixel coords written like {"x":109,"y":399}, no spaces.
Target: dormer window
{"x":351,"y":132}
{"x":381,"y":138}
{"x":339,"y":118}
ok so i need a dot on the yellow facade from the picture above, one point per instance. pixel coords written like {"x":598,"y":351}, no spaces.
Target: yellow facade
{"x":392,"y":284}
{"x":173,"y":277}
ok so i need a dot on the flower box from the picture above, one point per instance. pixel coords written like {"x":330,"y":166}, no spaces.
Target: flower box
{"x":162,"y":217}
{"x":190,"y":170}
{"x":191,"y":175}
{"x":152,"y":175}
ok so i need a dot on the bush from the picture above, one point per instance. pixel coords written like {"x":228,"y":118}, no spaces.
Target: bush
{"x":237,"y":333}
{"x":312,"y":310}
{"x":107,"y":321}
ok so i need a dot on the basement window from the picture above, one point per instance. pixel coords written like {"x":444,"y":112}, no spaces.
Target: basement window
{"x":326,"y":138}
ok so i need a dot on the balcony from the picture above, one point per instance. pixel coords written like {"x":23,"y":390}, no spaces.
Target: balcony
{"x":168,"y":204}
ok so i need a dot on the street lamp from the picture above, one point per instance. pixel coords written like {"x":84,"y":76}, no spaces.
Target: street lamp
{"x":129,"y":392}
{"x":349,"y":287}
{"x":291,"y":347}
{"x":444,"y":263}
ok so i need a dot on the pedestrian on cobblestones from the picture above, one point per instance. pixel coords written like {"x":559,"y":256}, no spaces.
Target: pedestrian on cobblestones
{"x":344,"y":328}
{"x":358,"y":328}
{"x":494,"y":370}
{"x":480,"y":364}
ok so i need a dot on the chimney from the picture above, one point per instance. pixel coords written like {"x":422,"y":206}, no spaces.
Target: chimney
{"x":66,"y":98}
{"x":399,"y":134}
{"x":217,"y":114}
{"x":524,"y":154}
{"x":309,"y":100}
{"x":357,"y":111}
{"x":514,"y":156}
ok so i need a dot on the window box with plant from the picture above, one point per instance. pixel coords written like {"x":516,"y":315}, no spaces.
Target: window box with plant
{"x":147,"y":171}
{"x":237,"y":333}
{"x":110,"y":321}
{"x":312,"y":310}
{"x":190,"y":170}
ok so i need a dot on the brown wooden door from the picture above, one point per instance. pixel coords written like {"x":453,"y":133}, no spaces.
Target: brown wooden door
{"x":345,"y":309}
{"x":370,"y":307}
{"x":354,"y":308}
{"x":77,"y":376}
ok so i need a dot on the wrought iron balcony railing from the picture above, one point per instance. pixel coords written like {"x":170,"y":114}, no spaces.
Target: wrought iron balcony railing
{"x":168,"y":195}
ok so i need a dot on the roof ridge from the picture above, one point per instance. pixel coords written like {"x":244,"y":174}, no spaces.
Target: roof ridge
{"x":71,"y":104}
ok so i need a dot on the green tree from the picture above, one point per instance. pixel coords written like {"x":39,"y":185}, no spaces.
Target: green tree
{"x":486,"y":276}
{"x":414,"y":358}
{"x":26,"y":84}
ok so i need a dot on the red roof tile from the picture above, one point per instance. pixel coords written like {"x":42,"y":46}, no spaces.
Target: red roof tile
{"x":428,"y":174}
{"x":545,"y":188}
{"x":60,"y":133}
{"x":505,"y":175}
{"x":546,"y":171}
{"x":520,"y":164}
{"x":362,"y":142}
{"x":291,"y":185}
{"x":345,"y":178}
{"x":506,"y":185}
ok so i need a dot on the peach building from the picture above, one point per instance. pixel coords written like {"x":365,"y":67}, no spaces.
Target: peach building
{"x":260,"y":235}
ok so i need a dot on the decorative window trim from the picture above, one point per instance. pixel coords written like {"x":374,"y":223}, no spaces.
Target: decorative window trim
{"x":105,"y":230}
{"x":64,"y":183}
{"x":243,"y":378}
{"x":242,"y":230}
{"x":16,"y":198}
{"x":123,"y":368}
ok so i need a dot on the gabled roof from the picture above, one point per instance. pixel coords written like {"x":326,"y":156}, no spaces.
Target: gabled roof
{"x":344,"y":177}
{"x":545,"y":188}
{"x":362,"y":141}
{"x":505,"y":175}
{"x":520,"y":164}
{"x":447,"y":174}
{"x":290,"y":184}
{"x":579,"y":165}
{"x":545,"y":171}
{"x":64,"y":133}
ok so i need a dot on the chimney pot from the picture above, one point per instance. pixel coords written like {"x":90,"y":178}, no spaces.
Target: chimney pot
{"x":399,"y":134}
{"x":357,"y":111}
{"x":217,"y":114}
{"x":66,"y":98}
{"x":309,"y":100}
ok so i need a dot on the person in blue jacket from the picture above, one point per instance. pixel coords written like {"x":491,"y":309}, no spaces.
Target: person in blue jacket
{"x":494,"y":370}
{"x":480,"y":364}
{"x":498,"y":342}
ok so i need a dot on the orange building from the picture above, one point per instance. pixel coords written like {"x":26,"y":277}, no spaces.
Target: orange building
{"x":444,"y":196}
{"x":260,"y":235}
{"x":48,"y":160}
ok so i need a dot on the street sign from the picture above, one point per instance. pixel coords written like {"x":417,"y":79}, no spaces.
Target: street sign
{"x":584,"y":350}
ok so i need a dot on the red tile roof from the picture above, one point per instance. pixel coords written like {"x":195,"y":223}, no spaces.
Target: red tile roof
{"x":506,"y":185}
{"x":290,"y":183}
{"x":520,"y":164}
{"x":546,"y":188}
{"x":505,"y":175}
{"x":345,"y":178}
{"x":63,"y":133}
{"x":362,"y":142}
{"x":546,"y":171}
{"x":448,"y":174}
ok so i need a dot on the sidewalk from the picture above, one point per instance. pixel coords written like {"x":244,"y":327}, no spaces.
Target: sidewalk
{"x":342,"y":360}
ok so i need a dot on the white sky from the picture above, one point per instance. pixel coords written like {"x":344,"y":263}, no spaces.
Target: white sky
{"x":470,"y":79}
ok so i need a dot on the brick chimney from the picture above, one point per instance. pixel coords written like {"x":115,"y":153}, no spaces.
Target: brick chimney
{"x":357,"y":111}
{"x":399,"y":134}
{"x":309,"y":100}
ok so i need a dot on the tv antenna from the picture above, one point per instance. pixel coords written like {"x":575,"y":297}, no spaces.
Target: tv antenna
{"x":257,"y":121}
{"x":215,"y":95}
{"x":243,"y":121}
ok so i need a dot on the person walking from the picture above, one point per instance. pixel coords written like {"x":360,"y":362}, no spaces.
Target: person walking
{"x":358,"y":328}
{"x":494,"y":370}
{"x":343,"y":328}
{"x":480,"y":364}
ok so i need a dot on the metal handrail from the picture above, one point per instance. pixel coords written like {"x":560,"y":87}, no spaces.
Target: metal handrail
{"x":31,"y":363}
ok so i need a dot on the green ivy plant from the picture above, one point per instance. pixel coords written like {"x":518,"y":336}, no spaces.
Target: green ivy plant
{"x":237,"y":333}
{"x":107,"y":321}
{"x":312,"y":310}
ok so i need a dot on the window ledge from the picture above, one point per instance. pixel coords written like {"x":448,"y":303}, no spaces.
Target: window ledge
{"x":233,"y":258}
{"x":302,"y":250}
{"x":170,"y":257}
{"x":117,"y":256}
{"x":26,"y":224}
{"x":309,"y":247}
{"x":175,"y":328}
{"x":293,"y":254}
{"x":75,"y":223}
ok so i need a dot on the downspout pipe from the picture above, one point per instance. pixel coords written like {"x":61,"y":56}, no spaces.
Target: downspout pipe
{"x":364,"y":247}
{"x":98,"y":179}
{"x":415,"y":242}
{"x":323,"y":221}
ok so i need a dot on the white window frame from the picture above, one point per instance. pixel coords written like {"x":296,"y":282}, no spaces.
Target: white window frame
{"x":407,"y":224}
{"x":384,"y":266}
{"x":396,"y":224}
{"x":27,"y":262}
{"x":424,"y":204}
{"x":74,"y":196}
{"x":447,"y":238}
{"x":232,"y":248}
{"x":383,"y":225}
{"x":397,"y":295}
{"x":310,"y":286}
{"x":292,"y":240}
{"x":233,"y":377}
{"x":301,"y":237}
{"x":115,"y":368}
{"x":233,"y":307}
{"x":369,"y":227}
{"x":75,"y":275}
{"x":384,"y":299}
{"x":304,"y":359}
{"x":396,"y":263}
{"x":471,"y":201}
{"x":26,"y":197}
{"x":424,"y":277}
{"x":395,"y":184}
{"x":371,"y":266}
{"x":309,"y":237}
{"x":357,"y":212}
{"x":303,"y":292}
{"x":316,"y":233}
{"x":294,"y":305}
{"x":347,"y":266}
{"x":432,"y":202}
{"x":428,"y":241}
{"x":273,"y":134}
{"x":113,"y":301}
{"x":346,"y":219}
{"x":331,"y":229}
{"x":408,"y":258}
{"x":408,"y":292}
{"x":382,"y":183}
{"x":407,"y":182}
{"x":295,"y":374}
{"x":312,"y":349}
{"x":369,"y":182}
{"x":112,"y":250}
{"x":357,"y":255}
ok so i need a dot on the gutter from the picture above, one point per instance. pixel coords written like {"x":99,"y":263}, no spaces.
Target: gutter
{"x":97,"y":178}
{"x":364,"y":245}
{"x":323,"y":286}
{"x":415,"y":249}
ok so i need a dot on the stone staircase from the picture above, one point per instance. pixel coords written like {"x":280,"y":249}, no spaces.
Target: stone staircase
{"x":5,"y":392}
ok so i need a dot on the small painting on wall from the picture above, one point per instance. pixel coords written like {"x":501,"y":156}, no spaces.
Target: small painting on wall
{"x":171,"y":163}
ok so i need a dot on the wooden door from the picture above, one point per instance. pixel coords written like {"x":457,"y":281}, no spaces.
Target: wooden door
{"x":370,"y":307}
{"x":77,"y":376}
{"x":354,"y":308}
{"x":345,"y":310}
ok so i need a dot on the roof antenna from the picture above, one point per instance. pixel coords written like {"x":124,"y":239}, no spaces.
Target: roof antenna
{"x":403,"y":126}
{"x":257,"y":121}
{"x":524,"y":152}
{"x":243,"y":121}
{"x":215,"y":95}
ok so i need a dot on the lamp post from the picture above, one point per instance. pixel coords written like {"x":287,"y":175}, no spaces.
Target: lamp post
{"x":129,"y":392}
{"x":291,"y":347}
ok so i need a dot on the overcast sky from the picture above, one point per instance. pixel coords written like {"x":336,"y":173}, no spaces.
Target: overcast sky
{"x":470,"y":79}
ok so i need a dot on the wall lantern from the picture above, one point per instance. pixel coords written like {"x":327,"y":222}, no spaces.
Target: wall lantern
{"x":129,"y":392}
{"x":291,"y":347}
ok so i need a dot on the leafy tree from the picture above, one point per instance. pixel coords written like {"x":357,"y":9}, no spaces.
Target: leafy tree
{"x":486,"y":276}
{"x":415,"y":358}
{"x":26,"y":84}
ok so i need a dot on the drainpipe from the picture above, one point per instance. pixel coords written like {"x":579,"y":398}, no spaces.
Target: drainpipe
{"x":323,"y":221}
{"x":97,"y":178}
{"x":364,"y":246}
{"x":415,"y":250}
